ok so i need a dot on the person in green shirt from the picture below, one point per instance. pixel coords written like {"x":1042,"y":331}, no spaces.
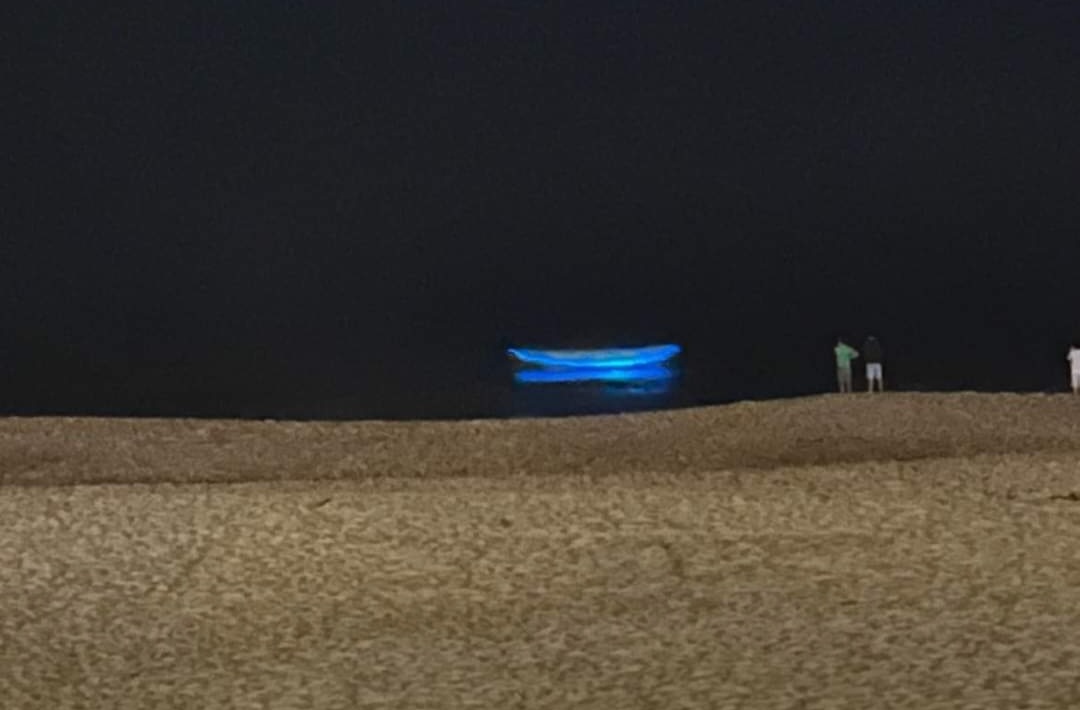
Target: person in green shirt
{"x":844,"y":355}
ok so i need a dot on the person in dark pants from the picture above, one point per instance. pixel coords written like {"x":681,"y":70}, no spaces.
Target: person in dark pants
{"x":872,"y":356}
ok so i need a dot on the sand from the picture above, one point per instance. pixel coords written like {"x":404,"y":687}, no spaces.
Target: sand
{"x":901,"y":551}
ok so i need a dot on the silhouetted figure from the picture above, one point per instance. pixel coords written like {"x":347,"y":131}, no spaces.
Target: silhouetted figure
{"x":1074,"y":362}
{"x":844,"y":355}
{"x":872,"y":356}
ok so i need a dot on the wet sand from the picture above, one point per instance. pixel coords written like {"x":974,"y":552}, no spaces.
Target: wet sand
{"x":907,"y":551}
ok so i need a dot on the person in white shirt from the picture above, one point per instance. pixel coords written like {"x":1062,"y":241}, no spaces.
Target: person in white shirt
{"x":1074,"y":361}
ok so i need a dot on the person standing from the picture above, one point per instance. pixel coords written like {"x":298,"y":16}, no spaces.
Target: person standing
{"x":872,"y":356}
{"x":1074,"y":361}
{"x":844,"y":355}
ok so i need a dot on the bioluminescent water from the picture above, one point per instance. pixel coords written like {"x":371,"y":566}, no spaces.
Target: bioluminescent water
{"x":634,"y":374}
{"x":601,"y":380}
{"x":600,"y":359}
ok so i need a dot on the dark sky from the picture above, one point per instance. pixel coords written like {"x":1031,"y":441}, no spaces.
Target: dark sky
{"x":244,"y":206}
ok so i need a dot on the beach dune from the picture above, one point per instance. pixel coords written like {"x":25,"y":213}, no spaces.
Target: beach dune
{"x":899,"y":551}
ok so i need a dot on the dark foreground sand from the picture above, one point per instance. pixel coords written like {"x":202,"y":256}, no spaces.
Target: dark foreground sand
{"x":907,"y":551}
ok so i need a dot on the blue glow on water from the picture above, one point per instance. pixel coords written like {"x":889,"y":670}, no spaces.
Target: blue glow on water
{"x":602,"y":359}
{"x":640,"y":373}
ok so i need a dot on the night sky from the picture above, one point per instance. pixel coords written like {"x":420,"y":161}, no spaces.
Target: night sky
{"x":258,"y":208}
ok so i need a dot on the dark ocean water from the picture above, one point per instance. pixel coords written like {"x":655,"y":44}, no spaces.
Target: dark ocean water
{"x":478,"y":383}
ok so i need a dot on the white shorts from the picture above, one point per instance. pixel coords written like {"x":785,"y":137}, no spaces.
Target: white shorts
{"x":1076,"y":379}
{"x":873,"y":370}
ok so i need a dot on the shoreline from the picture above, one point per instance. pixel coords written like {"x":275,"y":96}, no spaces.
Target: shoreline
{"x":819,"y":430}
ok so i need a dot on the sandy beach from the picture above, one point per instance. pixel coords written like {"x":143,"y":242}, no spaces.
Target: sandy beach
{"x":896,"y":551}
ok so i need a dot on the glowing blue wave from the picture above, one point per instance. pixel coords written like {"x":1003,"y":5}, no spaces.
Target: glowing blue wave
{"x":601,"y":359}
{"x":640,"y":373}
